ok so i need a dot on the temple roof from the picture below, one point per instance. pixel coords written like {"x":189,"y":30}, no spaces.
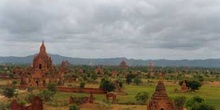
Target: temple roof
{"x":160,"y":91}
{"x":123,"y":64}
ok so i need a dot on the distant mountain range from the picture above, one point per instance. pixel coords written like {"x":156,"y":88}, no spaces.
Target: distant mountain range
{"x":57,"y":59}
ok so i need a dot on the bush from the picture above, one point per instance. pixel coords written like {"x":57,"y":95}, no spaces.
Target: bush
{"x":4,"y":106}
{"x":82,"y":84}
{"x":52,"y":87}
{"x":137,"y":80}
{"x":107,"y":86}
{"x":22,"y":102}
{"x":142,"y":97}
{"x":9,"y":92}
{"x":14,"y":82}
{"x":74,"y":107}
{"x":197,"y":103}
{"x":46,"y":95}
{"x":179,"y":102}
{"x":29,"y":97}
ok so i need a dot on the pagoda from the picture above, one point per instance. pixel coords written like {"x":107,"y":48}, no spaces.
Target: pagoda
{"x":184,"y":88}
{"x":160,"y":99}
{"x":123,"y":64}
{"x":42,"y":71}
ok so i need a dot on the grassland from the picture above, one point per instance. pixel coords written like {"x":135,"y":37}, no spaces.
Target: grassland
{"x":210,"y":91}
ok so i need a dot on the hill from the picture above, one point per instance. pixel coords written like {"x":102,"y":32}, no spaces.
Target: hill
{"x":57,"y":59}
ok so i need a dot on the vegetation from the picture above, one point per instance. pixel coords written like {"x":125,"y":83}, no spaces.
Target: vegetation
{"x":107,"y":85}
{"x":179,"y":102}
{"x":142,"y":97}
{"x":193,"y":85}
{"x":9,"y":92}
{"x":52,"y":87}
{"x":197,"y":103}
{"x":74,"y":107}
{"x":199,"y":80}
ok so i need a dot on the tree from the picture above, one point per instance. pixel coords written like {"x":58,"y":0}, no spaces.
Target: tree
{"x":94,"y":76}
{"x":9,"y":92}
{"x":46,"y":95}
{"x":137,"y":80}
{"x":107,"y":85}
{"x":142,"y":97}
{"x":52,"y":87}
{"x":197,"y":103}
{"x":194,"y":85}
{"x":203,"y":106}
{"x":179,"y":102}
{"x":193,"y":101}
{"x":74,"y":107}
{"x":129,"y":78}
{"x":82,"y":84}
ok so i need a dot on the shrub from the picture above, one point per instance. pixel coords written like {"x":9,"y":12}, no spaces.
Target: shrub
{"x":142,"y":97}
{"x":107,"y":86}
{"x":179,"y":101}
{"x":9,"y":92}
{"x":52,"y":87}
{"x":22,"y":102}
{"x":74,"y":107}
{"x":82,"y":84}
{"x":197,"y":103}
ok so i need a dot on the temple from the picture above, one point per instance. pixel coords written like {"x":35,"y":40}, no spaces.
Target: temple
{"x":184,"y":88}
{"x":123,"y":64}
{"x":160,"y":99}
{"x":42,"y":71}
{"x":99,"y":71}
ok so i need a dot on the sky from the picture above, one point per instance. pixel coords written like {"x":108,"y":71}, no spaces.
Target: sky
{"x":138,"y":29}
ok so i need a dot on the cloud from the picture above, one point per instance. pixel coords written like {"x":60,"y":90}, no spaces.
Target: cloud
{"x":150,"y":29}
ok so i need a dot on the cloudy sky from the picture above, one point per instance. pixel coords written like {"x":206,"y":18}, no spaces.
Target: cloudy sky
{"x":139,"y":29}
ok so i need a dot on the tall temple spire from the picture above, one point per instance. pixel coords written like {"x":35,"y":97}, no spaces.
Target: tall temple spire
{"x":160,"y":99}
{"x":42,"y":49}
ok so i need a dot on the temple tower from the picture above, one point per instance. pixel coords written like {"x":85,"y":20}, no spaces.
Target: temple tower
{"x":184,"y":88}
{"x":123,"y":64}
{"x":160,"y":99}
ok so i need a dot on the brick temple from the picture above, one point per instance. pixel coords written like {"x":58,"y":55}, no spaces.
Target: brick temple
{"x":160,"y":99}
{"x":123,"y":64}
{"x":42,"y":71}
{"x":184,"y":88}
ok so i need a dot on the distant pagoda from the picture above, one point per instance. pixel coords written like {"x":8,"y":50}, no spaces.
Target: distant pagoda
{"x":123,"y":64}
{"x":160,"y":99}
{"x":184,"y":88}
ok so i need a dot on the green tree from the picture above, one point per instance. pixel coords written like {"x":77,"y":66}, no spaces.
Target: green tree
{"x":82,"y":84}
{"x":179,"y":102}
{"x":137,"y":80}
{"x":107,"y":85}
{"x":197,"y":103}
{"x":74,"y":107}
{"x":52,"y":87}
{"x":142,"y":97}
{"x":4,"y":106}
{"x":194,"y":85}
{"x":9,"y":92}
{"x":193,"y":101}
{"x":203,"y":106}
{"x":94,"y":76}
{"x":46,"y":95}
{"x":129,"y":78}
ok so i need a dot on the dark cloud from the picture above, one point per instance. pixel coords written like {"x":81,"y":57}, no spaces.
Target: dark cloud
{"x":150,"y":29}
